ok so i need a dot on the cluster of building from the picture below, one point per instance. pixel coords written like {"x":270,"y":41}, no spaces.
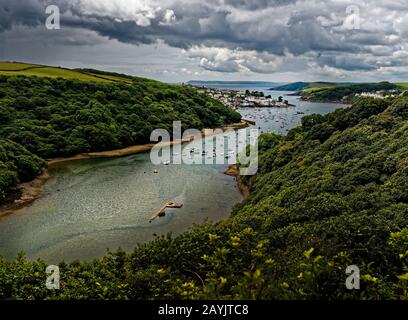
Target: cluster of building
{"x":237,"y":99}
{"x":380,"y":94}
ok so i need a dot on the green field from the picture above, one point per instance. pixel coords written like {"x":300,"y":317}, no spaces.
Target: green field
{"x":23,"y":69}
{"x":316,"y":86}
{"x":308,"y":87}
{"x":403,"y":85}
{"x":16,"y":66}
{"x":105,"y":77}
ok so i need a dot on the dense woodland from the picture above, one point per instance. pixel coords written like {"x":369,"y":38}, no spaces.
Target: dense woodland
{"x":42,"y":118}
{"x":332,"y":193}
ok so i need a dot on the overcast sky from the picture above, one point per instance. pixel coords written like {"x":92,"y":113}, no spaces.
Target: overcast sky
{"x":180,"y":40}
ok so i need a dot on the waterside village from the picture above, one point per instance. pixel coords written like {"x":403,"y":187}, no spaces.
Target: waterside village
{"x":237,"y":99}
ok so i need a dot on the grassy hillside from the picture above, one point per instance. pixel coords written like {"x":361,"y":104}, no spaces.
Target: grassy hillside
{"x":296,"y":86}
{"x":317,"y":86}
{"x":332,"y":193}
{"x":46,"y":117}
{"x":306,"y":86}
{"x":345,"y":92}
{"x":403,"y":85}
{"x":335,"y":92}
{"x":17,"y":66}
{"x":24,"y":69}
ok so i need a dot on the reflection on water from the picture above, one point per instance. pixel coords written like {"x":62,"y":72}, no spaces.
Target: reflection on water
{"x":89,"y":206}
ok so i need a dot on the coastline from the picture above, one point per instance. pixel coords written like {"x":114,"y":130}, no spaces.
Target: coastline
{"x":234,"y":172}
{"x":306,"y":99}
{"x":117,"y":153}
{"x":32,"y":190}
{"x":29,"y":192}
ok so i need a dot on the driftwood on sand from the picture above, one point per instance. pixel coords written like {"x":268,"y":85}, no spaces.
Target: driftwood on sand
{"x":162,"y":211}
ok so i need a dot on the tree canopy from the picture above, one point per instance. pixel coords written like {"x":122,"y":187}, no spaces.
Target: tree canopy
{"x":50,"y":118}
{"x":332,"y":193}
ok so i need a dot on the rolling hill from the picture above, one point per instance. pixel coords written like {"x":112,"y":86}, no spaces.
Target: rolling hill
{"x":306,"y":86}
{"x":403,"y":85}
{"x":339,"y":92}
{"x":27,"y":69}
{"x":346,"y":92}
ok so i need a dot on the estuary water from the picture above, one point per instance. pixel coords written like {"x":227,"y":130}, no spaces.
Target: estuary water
{"x":89,"y":206}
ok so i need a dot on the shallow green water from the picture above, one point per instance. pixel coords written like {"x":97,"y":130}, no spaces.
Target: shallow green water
{"x":89,"y":206}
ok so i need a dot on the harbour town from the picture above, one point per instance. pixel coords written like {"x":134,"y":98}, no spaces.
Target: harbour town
{"x":238,"y":99}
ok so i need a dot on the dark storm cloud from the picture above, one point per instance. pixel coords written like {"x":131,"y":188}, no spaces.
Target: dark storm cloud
{"x":27,"y":12}
{"x":195,"y":24}
{"x":276,"y":27}
{"x":257,"y":4}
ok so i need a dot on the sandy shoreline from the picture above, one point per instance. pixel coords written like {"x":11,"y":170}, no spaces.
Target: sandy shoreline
{"x":141,"y":148}
{"x":31,"y":191}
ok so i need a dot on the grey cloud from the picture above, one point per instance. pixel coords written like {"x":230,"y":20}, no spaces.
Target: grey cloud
{"x":300,"y":35}
{"x":346,"y":63}
{"x":277,"y":27}
{"x":371,"y":39}
{"x":229,"y":66}
{"x":27,"y":12}
{"x":257,"y":4}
